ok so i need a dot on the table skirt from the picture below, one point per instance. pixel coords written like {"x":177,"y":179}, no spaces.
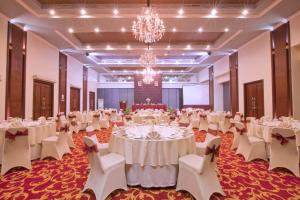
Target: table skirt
{"x":149,"y":176}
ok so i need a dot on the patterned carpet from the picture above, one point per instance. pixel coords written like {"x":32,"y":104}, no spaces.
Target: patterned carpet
{"x":52,"y":179}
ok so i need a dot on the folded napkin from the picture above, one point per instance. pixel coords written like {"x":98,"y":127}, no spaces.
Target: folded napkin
{"x":153,"y":135}
{"x":16,"y":124}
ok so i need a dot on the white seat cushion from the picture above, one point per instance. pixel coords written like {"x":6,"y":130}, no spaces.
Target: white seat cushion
{"x":111,"y":160}
{"x":255,"y":139}
{"x":201,"y":145}
{"x":50,"y":139}
{"x":192,"y":161}
{"x":102,"y":145}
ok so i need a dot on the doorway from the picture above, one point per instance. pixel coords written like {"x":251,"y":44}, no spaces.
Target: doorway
{"x":42,"y":99}
{"x":74,"y":99}
{"x":92,"y":101}
{"x":254,"y":99}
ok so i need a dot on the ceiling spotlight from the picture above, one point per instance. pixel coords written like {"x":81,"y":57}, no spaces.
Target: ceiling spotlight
{"x":168,"y":47}
{"x":188,"y":46}
{"x":128,"y":47}
{"x":129,"y":77}
{"x":82,"y":11}
{"x":200,"y":29}
{"x":182,"y":54}
{"x":245,"y":12}
{"x":108,"y":47}
{"x":180,"y":11}
{"x":213,"y":12}
{"x":52,"y":12}
{"x":97,"y":30}
{"x":226,"y":29}
{"x":123,"y":29}
{"x":208,"y":47}
{"x":71,"y":30}
{"x":125,"y":70}
{"x":88,"y":46}
{"x":171,"y":70}
{"x":116,"y":12}
{"x":174,"y":30}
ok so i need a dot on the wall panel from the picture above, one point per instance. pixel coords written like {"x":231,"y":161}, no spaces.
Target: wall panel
{"x":234,"y":82}
{"x":62,"y":83}
{"x":84,"y":88}
{"x":16,"y":72}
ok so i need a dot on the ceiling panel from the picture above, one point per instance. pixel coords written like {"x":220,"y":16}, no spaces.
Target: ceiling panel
{"x":127,"y":37}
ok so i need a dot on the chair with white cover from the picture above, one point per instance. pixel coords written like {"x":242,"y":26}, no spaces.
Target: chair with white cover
{"x":203,"y":123}
{"x":74,"y":126}
{"x":164,"y":118}
{"x":107,"y":172}
{"x":198,"y":175}
{"x":102,"y":147}
{"x":283,"y":150}
{"x":16,"y":149}
{"x":225,"y":125}
{"x":56,"y":146}
{"x":250,"y":147}
{"x":238,"y":117}
{"x":104,"y":123}
{"x":211,"y":133}
{"x":96,"y":122}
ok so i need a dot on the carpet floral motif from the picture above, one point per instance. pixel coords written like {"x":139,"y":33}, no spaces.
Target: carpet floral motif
{"x":65,"y":179}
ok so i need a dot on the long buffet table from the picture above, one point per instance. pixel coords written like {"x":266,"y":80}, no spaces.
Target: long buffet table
{"x":148,"y":106}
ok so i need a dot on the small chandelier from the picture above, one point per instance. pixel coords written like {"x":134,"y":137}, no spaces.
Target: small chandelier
{"x":148,"y":75}
{"x":148,"y":27}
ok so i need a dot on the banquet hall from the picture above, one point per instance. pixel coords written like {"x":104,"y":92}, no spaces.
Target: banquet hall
{"x":150,"y":99}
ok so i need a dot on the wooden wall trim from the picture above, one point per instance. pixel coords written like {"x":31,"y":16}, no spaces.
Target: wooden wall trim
{"x":211,"y":86}
{"x":234,"y":82}
{"x":281,"y":71}
{"x":62,"y":86}
{"x":84,"y":88}
{"x":16,"y":72}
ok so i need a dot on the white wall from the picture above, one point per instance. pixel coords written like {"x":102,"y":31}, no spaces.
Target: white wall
{"x":295,"y":30}
{"x":3,"y":54}
{"x":74,"y":78}
{"x":255,"y":64}
{"x":42,"y":62}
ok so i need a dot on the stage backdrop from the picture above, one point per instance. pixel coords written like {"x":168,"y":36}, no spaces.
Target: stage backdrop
{"x":143,"y":91}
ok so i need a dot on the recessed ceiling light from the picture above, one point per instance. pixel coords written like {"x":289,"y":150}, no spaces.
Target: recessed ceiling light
{"x":114,"y":71}
{"x":129,"y":77}
{"x":97,"y":30}
{"x":128,"y":47}
{"x":180,"y":11}
{"x":174,"y":29}
{"x":182,"y":54}
{"x":82,"y":11}
{"x":200,"y":29}
{"x":115,"y":11}
{"x":123,"y":29}
{"x":52,"y":12}
{"x":245,"y":12}
{"x":213,"y":11}
{"x":171,"y":70}
{"x":71,"y":30}
{"x":208,"y":47}
{"x":125,"y":70}
{"x":168,"y":47}
{"x":88,"y":46}
{"x":188,"y":46}
{"x":226,"y":29}
{"x":166,"y":54}
{"x":181,"y":71}
{"x":108,"y":47}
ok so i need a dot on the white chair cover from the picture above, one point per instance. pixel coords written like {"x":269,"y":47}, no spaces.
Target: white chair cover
{"x":96,"y":122}
{"x":107,"y":172}
{"x":212,"y":132}
{"x":198,"y":175}
{"x":283,"y":150}
{"x":250,"y":147}
{"x":16,"y":150}
{"x":203,"y":123}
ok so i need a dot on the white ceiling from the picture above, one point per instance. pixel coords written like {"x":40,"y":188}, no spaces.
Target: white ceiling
{"x":266,"y":15}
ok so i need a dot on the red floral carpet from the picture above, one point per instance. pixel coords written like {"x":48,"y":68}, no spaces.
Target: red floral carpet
{"x":52,"y":179}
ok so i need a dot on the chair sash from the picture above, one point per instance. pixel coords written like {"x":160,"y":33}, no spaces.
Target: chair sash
{"x":91,"y":149}
{"x":203,"y":116}
{"x":228,"y":116}
{"x":213,"y":132}
{"x":96,"y":116}
{"x":118,"y":123}
{"x":184,"y":124}
{"x":241,"y":131}
{"x":91,"y":133}
{"x":73,"y":123}
{"x":213,"y":150}
{"x":72,"y":116}
{"x":64,"y":128}
{"x":283,"y":140}
{"x":13,"y":136}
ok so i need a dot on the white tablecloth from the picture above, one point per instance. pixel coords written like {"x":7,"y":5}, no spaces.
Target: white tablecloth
{"x":152,"y":163}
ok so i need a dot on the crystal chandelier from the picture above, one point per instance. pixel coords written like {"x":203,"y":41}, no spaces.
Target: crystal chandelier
{"x":148,"y":75}
{"x":148,"y":59}
{"x":148,"y":27}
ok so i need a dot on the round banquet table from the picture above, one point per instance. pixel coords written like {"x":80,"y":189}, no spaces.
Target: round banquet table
{"x":36,"y":133}
{"x":152,"y":162}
